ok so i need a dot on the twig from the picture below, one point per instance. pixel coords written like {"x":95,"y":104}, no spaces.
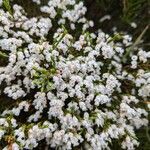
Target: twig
{"x":137,"y":41}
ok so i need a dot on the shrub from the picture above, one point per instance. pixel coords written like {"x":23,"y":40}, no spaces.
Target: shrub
{"x":70,"y":88}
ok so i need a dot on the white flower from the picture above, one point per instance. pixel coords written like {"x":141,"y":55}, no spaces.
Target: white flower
{"x":94,"y":97}
{"x":2,"y":132}
{"x":101,"y":99}
{"x":133,"y":25}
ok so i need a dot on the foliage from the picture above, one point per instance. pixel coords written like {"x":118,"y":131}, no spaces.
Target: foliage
{"x":123,"y":14}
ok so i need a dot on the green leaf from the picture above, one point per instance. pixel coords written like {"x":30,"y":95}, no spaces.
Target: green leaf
{"x":3,"y":54}
{"x":116,"y":37}
{"x":132,"y":8}
{"x":6,"y":4}
{"x":49,"y":86}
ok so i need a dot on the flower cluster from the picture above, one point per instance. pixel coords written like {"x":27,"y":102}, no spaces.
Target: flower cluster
{"x":69,"y":91}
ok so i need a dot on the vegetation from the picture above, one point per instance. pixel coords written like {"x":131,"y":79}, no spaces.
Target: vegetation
{"x":123,"y":14}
